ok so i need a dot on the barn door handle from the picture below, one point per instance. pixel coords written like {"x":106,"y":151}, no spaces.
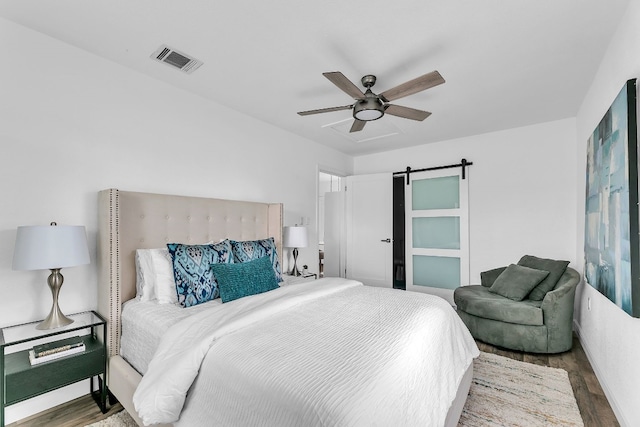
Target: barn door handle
{"x":387,"y":240}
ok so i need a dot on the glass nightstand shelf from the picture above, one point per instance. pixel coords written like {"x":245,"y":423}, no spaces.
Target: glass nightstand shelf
{"x":21,"y":381}
{"x":292,"y":280}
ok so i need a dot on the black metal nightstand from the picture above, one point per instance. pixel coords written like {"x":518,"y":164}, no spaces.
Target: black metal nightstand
{"x":21,"y":381}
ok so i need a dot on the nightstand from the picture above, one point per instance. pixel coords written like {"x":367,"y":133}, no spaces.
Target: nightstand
{"x":292,"y":280}
{"x":21,"y":381}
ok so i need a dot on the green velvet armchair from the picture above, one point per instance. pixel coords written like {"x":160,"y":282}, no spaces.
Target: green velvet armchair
{"x":530,"y":325}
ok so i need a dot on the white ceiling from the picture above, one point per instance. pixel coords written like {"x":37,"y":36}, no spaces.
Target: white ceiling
{"x":506,"y":63}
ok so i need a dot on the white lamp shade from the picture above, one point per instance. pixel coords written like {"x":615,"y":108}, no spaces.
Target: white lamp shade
{"x":295,"y":237}
{"x":43,"y":247}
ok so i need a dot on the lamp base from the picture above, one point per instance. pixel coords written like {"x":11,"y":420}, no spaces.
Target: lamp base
{"x":55,"y":319}
{"x":294,"y":270}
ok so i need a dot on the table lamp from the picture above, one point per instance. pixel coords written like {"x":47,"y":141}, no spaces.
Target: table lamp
{"x":52,"y":247}
{"x":295,"y":237}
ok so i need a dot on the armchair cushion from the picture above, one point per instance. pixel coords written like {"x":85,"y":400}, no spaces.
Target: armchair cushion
{"x":517,"y":281}
{"x":478,"y":301}
{"x":555,"y":268}
{"x":488,"y":277}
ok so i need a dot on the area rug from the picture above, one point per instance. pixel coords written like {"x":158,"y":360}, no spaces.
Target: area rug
{"x":504,"y":392}
{"x":121,"y":419}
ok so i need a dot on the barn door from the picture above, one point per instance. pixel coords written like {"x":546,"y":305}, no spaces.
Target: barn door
{"x":437,"y":231}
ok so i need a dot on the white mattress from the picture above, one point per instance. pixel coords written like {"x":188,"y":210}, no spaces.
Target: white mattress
{"x":144,"y":323}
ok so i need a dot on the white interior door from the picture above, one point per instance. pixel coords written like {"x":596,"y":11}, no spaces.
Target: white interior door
{"x":334,"y":234}
{"x":369,"y":229}
{"x":437,"y":232}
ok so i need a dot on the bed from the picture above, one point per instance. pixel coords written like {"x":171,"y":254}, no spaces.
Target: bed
{"x":272,"y":365}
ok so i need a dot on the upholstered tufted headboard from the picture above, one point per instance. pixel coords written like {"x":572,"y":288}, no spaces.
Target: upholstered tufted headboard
{"x":130,"y":220}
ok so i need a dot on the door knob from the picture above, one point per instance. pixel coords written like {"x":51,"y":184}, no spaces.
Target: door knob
{"x":387,"y":240}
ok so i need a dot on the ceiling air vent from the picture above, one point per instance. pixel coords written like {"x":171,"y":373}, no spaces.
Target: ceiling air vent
{"x":176,"y":59}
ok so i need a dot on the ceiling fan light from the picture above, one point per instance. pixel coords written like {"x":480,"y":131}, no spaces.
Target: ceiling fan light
{"x":368,"y":109}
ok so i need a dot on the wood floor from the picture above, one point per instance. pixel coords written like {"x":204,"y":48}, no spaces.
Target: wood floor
{"x":593,"y":404}
{"x":76,"y":413}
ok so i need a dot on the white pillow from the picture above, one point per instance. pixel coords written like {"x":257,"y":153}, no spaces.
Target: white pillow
{"x":165,"y":285}
{"x":144,"y":275}
{"x":155,"y":279}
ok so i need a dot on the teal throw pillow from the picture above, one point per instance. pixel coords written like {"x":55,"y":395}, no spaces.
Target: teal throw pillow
{"x":488,"y":277}
{"x":555,"y":269}
{"x":250,"y":250}
{"x":194,"y":278}
{"x":517,"y":281}
{"x":244,"y":279}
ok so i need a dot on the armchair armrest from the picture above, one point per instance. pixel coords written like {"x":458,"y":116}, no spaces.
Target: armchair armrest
{"x":557,"y":311}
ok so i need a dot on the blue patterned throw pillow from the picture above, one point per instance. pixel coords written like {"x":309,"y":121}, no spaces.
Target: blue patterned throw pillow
{"x":195,"y":282}
{"x":253,"y":249}
{"x":239,"y":280}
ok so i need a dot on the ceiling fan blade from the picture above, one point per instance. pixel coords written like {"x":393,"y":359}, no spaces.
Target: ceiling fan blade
{"x":325,"y":110}
{"x":344,"y":84}
{"x":406,"y":112}
{"x":357,"y":125}
{"x":416,"y":85}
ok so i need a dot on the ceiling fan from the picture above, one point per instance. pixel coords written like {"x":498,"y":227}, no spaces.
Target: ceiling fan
{"x":369,"y":106}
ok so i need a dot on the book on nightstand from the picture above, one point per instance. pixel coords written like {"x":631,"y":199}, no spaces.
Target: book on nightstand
{"x":55,"y":350}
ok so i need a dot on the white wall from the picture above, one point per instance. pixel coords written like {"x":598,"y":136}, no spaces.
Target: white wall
{"x":73,"y":124}
{"x":610,"y":337}
{"x":521,"y":190}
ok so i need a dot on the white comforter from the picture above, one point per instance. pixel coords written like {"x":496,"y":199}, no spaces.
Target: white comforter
{"x":327,"y":352}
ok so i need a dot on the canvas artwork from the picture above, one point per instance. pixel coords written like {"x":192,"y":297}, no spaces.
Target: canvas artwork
{"x":611,"y":223}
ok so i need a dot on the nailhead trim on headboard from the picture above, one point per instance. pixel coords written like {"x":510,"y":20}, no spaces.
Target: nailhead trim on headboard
{"x":114,"y":339}
{"x":109,"y":296}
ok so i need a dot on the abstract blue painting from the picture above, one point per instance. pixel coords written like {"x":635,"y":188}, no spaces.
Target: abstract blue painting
{"x":611,"y":223}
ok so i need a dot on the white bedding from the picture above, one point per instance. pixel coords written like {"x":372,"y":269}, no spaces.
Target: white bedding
{"x":144,"y":324}
{"x":327,"y":352}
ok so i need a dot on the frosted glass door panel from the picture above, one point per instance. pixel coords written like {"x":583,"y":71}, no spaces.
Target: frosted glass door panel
{"x":436,"y":232}
{"x":437,"y":272}
{"x":436,"y":193}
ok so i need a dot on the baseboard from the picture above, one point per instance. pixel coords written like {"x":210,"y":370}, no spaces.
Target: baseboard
{"x":601,"y":378}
